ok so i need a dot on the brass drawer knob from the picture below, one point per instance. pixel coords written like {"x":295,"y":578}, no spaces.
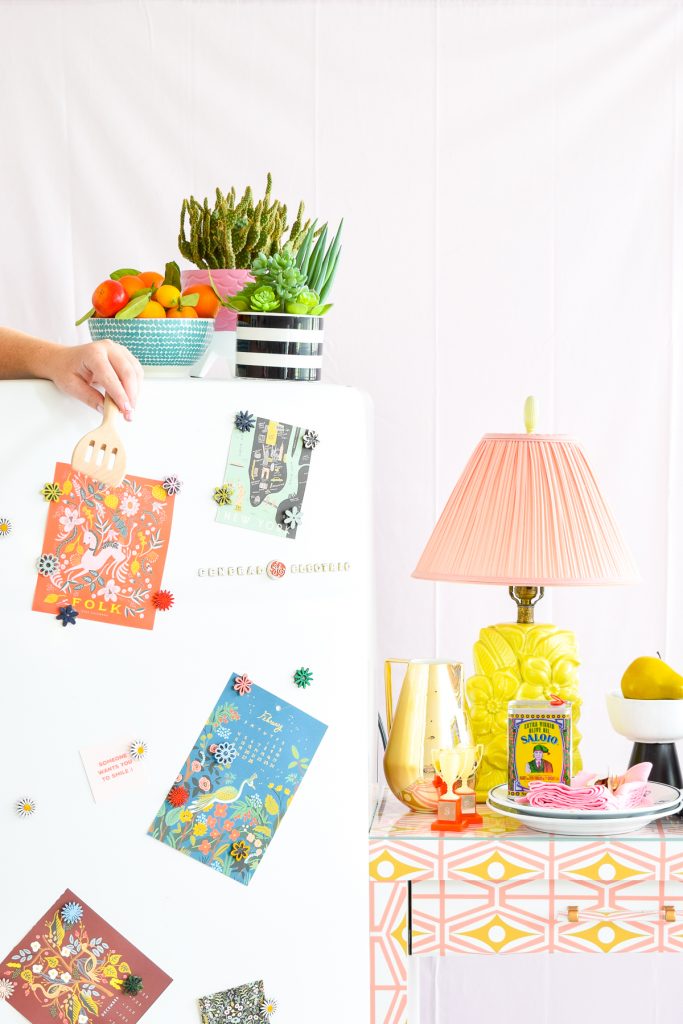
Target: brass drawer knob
{"x":573,"y":914}
{"x":669,"y":912}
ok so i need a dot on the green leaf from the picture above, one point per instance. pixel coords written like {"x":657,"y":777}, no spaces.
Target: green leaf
{"x":143,"y":291}
{"x":320,"y":310}
{"x":172,"y":275}
{"x":173,"y":816}
{"x":325,"y":269}
{"x":302,"y":256}
{"x":295,"y":752}
{"x":86,"y":316}
{"x":330,"y":276}
{"x":317,"y":257}
{"x":116,"y":274}
{"x":189,"y":300}
{"x":134,"y":307}
{"x":263,"y":829}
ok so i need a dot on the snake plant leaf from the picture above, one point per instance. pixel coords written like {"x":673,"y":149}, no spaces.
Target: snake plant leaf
{"x":303,"y":254}
{"x":330,"y":258}
{"x":330,"y":276}
{"x":316,"y":260}
{"x":132,"y":309}
{"x":124,"y":272}
{"x":172,"y":274}
{"x":86,"y":316}
{"x":333,"y":251}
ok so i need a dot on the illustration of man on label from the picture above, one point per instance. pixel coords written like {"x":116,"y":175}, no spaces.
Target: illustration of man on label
{"x":539,"y":765}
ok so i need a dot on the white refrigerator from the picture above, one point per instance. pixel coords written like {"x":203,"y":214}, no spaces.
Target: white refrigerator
{"x":301,"y":923}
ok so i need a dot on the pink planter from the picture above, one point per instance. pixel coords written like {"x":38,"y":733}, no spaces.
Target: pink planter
{"x":227,"y":282}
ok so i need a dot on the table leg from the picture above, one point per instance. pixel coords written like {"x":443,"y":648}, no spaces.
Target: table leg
{"x":388,"y":952}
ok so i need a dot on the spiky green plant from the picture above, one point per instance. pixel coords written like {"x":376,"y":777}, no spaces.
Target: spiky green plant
{"x":318,"y":264}
{"x":232,"y":232}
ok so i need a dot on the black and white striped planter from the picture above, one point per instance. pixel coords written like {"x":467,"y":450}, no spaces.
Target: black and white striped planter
{"x":279,"y":346}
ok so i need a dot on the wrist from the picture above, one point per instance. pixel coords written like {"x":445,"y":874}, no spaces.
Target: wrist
{"x":42,"y":358}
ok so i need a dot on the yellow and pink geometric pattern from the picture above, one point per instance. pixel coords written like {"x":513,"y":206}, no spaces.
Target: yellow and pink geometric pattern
{"x":502,"y":888}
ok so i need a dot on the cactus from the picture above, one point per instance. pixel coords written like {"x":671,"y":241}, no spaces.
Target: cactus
{"x":235,"y":231}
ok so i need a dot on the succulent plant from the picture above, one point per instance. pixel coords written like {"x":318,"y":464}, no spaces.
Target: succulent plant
{"x":264,"y":299}
{"x":280,"y":286}
{"x":233,"y":231}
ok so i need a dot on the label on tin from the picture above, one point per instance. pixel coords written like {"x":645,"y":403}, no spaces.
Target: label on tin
{"x":539,"y":744}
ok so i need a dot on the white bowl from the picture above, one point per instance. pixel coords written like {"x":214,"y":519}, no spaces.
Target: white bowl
{"x":646,"y":721}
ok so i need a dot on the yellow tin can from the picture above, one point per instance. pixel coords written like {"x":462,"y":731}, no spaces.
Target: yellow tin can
{"x":539,"y":743}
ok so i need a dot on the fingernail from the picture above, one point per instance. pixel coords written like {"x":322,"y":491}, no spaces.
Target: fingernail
{"x":128,"y":415}
{"x":100,"y":408}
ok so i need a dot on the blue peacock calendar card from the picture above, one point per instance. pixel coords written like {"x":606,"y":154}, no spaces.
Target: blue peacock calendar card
{"x":232,"y":792}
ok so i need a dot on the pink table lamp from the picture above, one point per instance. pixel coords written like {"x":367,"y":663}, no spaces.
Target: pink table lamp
{"x":527,"y":512}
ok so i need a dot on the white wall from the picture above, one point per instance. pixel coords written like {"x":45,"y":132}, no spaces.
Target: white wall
{"x":510,"y":175}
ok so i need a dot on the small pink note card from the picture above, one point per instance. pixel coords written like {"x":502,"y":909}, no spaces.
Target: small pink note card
{"x":111,"y":769}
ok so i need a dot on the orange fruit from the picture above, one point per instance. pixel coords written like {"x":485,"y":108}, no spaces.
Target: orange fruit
{"x":153,"y":310}
{"x":132,"y":284}
{"x":167,"y":295}
{"x":109,"y":297}
{"x":208,"y":304}
{"x":151,"y":279}
{"x":186,"y":311}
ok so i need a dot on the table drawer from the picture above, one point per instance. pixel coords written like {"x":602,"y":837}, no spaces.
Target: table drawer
{"x":524,"y":916}
{"x":464,"y":917}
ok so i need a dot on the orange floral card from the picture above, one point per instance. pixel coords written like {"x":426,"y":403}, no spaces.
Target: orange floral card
{"x":104,"y":548}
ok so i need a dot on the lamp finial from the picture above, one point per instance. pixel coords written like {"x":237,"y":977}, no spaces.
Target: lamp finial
{"x":530,"y":414}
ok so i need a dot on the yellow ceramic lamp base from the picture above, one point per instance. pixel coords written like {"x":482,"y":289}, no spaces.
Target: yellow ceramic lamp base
{"x":518,"y":661}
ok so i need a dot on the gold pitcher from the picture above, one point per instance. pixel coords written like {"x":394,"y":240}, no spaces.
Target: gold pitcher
{"x":431,"y":713}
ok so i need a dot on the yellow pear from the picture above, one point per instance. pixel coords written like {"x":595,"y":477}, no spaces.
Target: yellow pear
{"x":651,"y":679}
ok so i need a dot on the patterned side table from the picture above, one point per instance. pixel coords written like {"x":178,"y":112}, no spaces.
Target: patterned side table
{"x":502,"y":888}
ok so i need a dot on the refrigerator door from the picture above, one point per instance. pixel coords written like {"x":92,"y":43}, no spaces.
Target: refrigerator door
{"x":301,"y":924}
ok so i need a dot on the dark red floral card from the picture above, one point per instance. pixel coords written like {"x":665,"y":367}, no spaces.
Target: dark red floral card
{"x":73,"y":967}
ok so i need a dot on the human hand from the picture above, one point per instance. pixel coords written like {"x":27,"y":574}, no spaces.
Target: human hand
{"x":80,"y":370}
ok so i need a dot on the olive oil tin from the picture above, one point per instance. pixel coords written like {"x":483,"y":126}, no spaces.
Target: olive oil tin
{"x":539,"y":743}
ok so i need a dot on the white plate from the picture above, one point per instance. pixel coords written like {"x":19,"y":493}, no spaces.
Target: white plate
{"x":582,"y":826}
{"x":660,"y":797}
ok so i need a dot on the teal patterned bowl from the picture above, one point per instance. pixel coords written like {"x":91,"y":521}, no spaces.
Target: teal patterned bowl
{"x":176,"y":342}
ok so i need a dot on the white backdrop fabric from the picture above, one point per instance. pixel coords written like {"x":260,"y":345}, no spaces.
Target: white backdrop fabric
{"x":511,"y":179}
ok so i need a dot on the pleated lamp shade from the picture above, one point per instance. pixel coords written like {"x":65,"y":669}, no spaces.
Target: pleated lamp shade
{"x":527,"y":511}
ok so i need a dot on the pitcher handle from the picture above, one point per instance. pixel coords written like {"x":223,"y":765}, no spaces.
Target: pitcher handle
{"x":388,"y":695}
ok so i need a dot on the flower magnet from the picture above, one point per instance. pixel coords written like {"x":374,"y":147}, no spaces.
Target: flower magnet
{"x":104,"y":549}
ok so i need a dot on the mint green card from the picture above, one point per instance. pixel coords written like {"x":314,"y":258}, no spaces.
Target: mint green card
{"x":266,"y":475}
